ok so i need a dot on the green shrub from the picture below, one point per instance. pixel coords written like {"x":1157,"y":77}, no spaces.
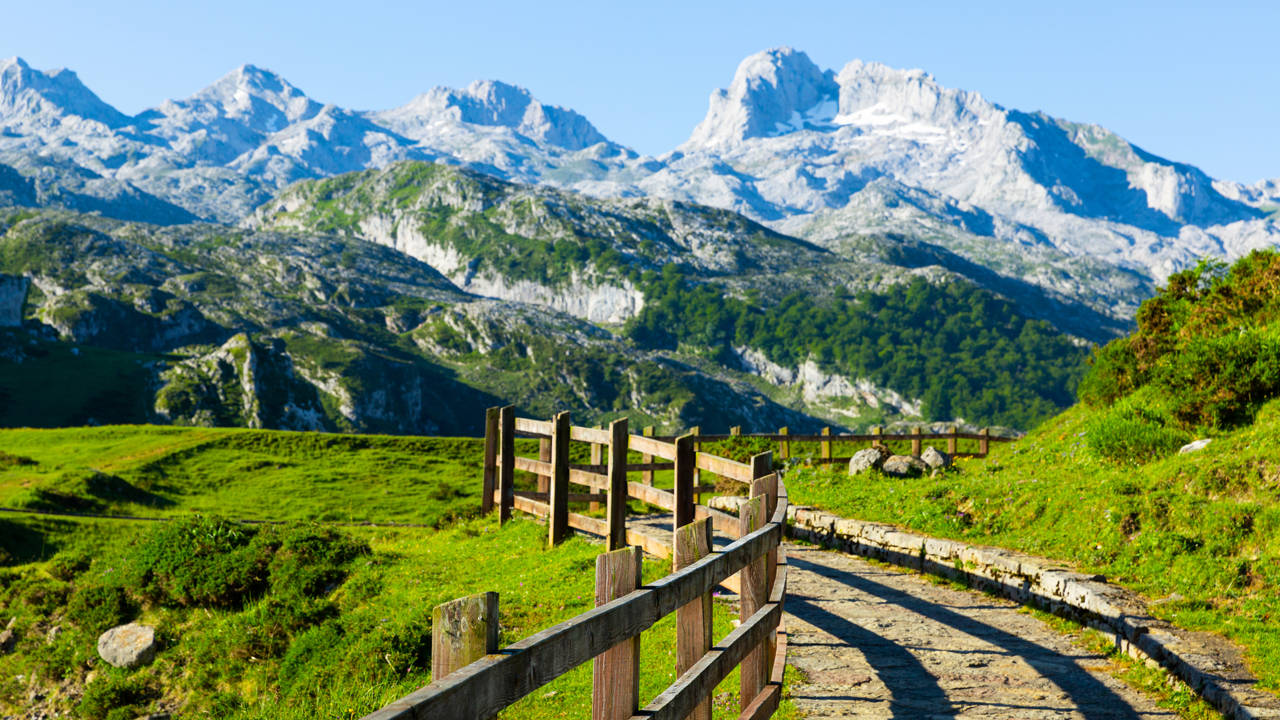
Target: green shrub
{"x":1221,"y":381}
{"x":1132,"y":433}
{"x":204,"y":561}
{"x":308,"y":560}
{"x":115,"y":696}
{"x":96,"y":608}
{"x":68,"y":564}
{"x":1113,"y":373}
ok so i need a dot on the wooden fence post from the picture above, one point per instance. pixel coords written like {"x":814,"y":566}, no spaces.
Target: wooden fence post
{"x":735,"y":430}
{"x":617,"y":504}
{"x":915,"y":441}
{"x":761,"y":464}
{"x":876,"y":435}
{"x":784,"y":446}
{"x":558,"y":523}
{"x":984,"y":442}
{"x":595,"y":460}
{"x":767,"y":487}
{"x":695,"y":431}
{"x":686,"y":456}
{"x":951,"y":441}
{"x":490,"y":460}
{"x":753,"y":594}
{"x":615,"y":679}
{"x":693,"y":621}
{"x":826,"y":444}
{"x":646,"y":477}
{"x":544,"y":454}
{"x":463,"y":631}
{"x":507,"y":467}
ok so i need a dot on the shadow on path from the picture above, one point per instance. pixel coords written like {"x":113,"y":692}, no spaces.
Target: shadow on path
{"x":913,"y":687}
{"x":1093,"y":699}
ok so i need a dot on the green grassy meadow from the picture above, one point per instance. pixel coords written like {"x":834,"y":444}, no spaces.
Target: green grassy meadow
{"x":298,"y":620}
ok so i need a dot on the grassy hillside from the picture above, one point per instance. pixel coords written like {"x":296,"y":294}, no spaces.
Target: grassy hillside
{"x":298,"y":620}
{"x":1102,"y":485}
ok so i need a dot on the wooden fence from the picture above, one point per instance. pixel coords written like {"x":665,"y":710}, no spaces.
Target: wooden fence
{"x":472,"y":679}
{"x":827,"y":442}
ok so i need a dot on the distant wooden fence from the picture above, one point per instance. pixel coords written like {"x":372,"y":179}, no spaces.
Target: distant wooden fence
{"x":472,"y":680}
{"x":827,"y":442}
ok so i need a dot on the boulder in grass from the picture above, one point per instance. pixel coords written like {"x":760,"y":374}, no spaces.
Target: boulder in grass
{"x":128,"y":646}
{"x":1194,"y":446}
{"x":935,"y":458}
{"x":903,"y":466}
{"x":866,"y":459}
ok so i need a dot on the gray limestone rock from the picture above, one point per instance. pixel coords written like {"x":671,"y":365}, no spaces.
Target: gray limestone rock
{"x":13,"y":295}
{"x":935,"y":458}
{"x":866,"y":459}
{"x":904,"y":466}
{"x":128,"y":646}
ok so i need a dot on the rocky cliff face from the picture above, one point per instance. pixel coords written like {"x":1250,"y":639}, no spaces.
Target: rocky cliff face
{"x":13,"y":298}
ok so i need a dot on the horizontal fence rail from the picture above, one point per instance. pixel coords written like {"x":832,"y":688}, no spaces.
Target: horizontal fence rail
{"x":752,"y":563}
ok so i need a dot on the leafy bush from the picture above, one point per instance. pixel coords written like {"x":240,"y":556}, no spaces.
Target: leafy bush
{"x":1209,"y":341}
{"x":1132,"y":433}
{"x":202,"y":561}
{"x":97,"y":608}
{"x":213,"y":562}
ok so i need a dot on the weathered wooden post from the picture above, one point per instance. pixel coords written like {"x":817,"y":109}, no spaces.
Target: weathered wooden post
{"x":951,"y":441}
{"x":490,"y":459}
{"x":767,"y":487}
{"x":595,"y":460}
{"x":784,"y":445}
{"x":507,"y":463}
{"x":463,"y":631}
{"x":736,"y":430}
{"x":686,"y":456}
{"x":696,"y":431}
{"x":984,"y":442}
{"x":615,"y":679}
{"x":693,"y":621}
{"x":754,"y":592}
{"x":826,"y":444}
{"x":544,"y":454}
{"x":646,"y":476}
{"x":761,"y":464}
{"x":915,"y":441}
{"x":617,"y":504}
{"x":558,"y":523}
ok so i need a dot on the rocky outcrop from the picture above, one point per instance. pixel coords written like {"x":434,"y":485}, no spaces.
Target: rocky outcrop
{"x":13,"y":298}
{"x":128,"y":646}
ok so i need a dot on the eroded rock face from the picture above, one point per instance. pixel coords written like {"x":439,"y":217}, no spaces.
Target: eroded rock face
{"x":13,"y":295}
{"x":935,"y":458}
{"x":904,"y":466}
{"x":866,"y":459}
{"x":128,"y":646}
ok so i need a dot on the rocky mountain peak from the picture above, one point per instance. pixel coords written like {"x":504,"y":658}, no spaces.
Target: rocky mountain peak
{"x":871,"y":88}
{"x":258,"y":98}
{"x":494,"y":104}
{"x":773,"y":92}
{"x":27,"y":93}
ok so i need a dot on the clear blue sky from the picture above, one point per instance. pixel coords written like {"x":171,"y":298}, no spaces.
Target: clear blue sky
{"x":1193,"y":82}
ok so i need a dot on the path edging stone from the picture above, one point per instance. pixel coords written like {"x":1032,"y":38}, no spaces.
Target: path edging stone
{"x":1209,"y":664}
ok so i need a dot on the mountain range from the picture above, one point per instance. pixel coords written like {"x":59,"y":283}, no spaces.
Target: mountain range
{"x":800,"y":182}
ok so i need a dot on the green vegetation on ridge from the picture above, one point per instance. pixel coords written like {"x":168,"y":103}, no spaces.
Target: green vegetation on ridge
{"x":965,"y":352}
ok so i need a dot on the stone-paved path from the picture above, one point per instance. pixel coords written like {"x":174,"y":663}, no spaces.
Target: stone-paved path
{"x":879,"y":643}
